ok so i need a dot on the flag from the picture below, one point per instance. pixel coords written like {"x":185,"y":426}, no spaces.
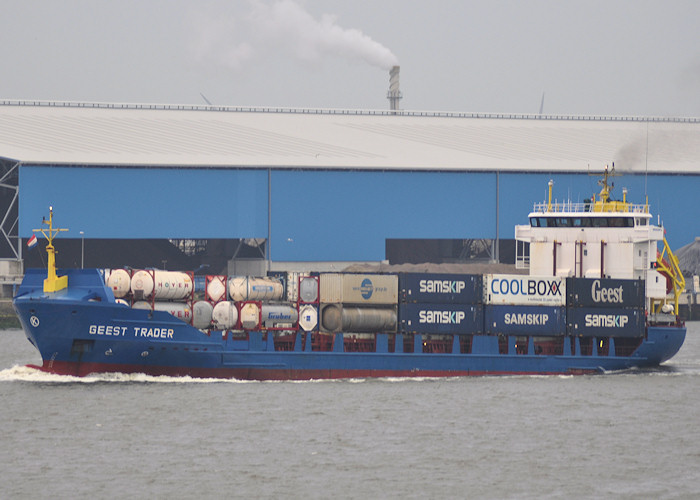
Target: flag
{"x":31,"y":242}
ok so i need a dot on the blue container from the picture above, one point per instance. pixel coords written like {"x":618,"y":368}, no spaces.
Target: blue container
{"x":605,"y":322}
{"x":441,"y":318}
{"x":605,"y":292}
{"x":525,"y":320}
{"x":435,"y":288}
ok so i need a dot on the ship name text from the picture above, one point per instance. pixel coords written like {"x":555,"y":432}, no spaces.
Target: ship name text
{"x":138,"y":331}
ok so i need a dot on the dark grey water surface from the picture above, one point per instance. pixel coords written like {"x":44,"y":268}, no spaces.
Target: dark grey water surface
{"x":623,"y":435}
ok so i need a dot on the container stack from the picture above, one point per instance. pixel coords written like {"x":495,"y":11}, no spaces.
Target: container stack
{"x":605,"y":307}
{"x":439,"y":307}
{"x":524,"y":305}
{"x":157,"y":290}
{"x":358,"y":302}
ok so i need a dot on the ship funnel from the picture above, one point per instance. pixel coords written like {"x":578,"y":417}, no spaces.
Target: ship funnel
{"x":394,"y":94}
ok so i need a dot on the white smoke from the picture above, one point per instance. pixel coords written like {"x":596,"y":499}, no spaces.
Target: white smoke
{"x":284,"y":27}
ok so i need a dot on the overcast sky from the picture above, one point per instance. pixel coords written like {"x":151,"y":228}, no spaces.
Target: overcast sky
{"x":624,"y":57}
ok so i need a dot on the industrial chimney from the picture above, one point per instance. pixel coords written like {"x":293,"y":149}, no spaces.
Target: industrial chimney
{"x":394,"y":94}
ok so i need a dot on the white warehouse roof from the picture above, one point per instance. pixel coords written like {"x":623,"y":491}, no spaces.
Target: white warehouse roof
{"x":62,"y":133}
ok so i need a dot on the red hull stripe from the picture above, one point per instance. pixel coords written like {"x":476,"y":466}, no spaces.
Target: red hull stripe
{"x":83,"y":369}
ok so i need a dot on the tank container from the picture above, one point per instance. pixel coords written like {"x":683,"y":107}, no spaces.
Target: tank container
{"x":162,"y":285}
{"x":525,"y":320}
{"x":216,"y":288}
{"x":202,"y":314}
{"x":224,"y":316}
{"x":374,"y":289}
{"x":518,"y":289}
{"x":119,"y":282}
{"x":180,"y":310}
{"x":274,"y":315}
{"x":441,"y":288}
{"x":340,"y":318}
{"x":249,"y":315}
{"x":441,"y":318}
{"x":605,"y":292}
{"x":308,"y":289}
{"x":308,"y":318}
{"x":241,"y":288}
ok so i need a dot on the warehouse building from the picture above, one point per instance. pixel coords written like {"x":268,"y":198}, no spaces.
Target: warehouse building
{"x":253,"y":188}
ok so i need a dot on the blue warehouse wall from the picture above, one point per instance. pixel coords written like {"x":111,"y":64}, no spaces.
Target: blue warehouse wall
{"x":348,"y":215}
{"x":322,"y":214}
{"x":145,"y":202}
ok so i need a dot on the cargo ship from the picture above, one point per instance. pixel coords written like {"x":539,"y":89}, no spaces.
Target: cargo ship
{"x":596,"y":295}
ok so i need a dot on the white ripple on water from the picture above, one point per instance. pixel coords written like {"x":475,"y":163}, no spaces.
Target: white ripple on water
{"x":30,"y":374}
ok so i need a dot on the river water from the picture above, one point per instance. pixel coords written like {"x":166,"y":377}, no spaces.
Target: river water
{"x":623,"y":435}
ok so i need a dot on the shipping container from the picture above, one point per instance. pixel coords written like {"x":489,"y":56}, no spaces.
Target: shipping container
{"x":605,"y":322}
{"x":441,"y":288}
{"x":605,"y":292}
{"x":524,"y":320}
{"x":340,"y":318}
{"x":441,"y":318}
{"x":375,"y":289}
{"x":519,"y":289}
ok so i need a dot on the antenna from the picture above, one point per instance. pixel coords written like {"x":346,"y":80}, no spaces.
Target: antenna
{"x":646,"y":161}
{"x":205,"y":99}
{"x":542,"y":103}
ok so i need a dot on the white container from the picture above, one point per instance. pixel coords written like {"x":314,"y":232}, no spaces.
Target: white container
{"x":120,"y":282}
{"x":360,"y":289}
{"x":250,"y":316}
{"x":241,"y":288}
{"x":178,"y":309}
{"x":202,"y":314}
{"x":224,"y":315}
{"x":308,"y":289}
{"x":216,"y":288}
{"x":308,"y":318}
{"x":163,"y":285}
{"x":275,"y":315}
{"x":520,"y":289}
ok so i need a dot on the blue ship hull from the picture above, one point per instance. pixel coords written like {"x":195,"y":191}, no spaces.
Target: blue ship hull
{"x":82,"y":330}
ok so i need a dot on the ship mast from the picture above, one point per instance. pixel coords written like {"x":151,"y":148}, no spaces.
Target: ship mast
{"x":52,"y":283}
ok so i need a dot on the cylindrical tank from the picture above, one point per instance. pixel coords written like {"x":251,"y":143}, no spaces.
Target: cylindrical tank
{"x":216,"y":288}
{"x":178,"y":309}
{"x":164,"y":285}
{"x":278,"y":314}
{"x":120,"y":282}
{"x":202,"y":314}
{"x":121,"y":302}
{"x":308,"y":318}
{"x":337,"y":318}
{"x":242,"y":288}
{"x":308,"y":289}
{"x":224,"y":315}
{"x":250,"y":316}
